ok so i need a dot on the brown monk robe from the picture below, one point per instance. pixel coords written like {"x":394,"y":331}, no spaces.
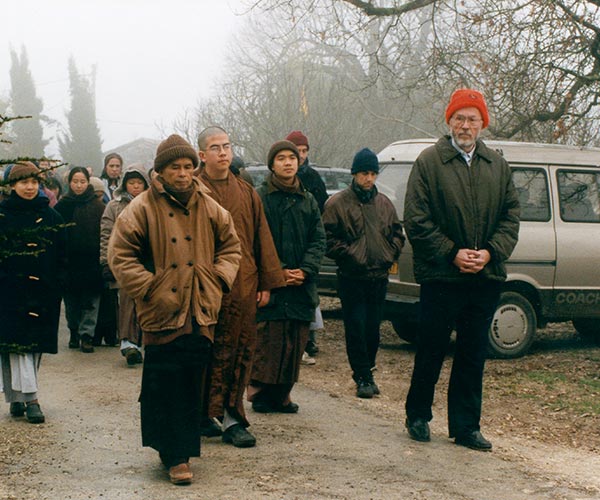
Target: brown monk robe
{"x":235,"y":334}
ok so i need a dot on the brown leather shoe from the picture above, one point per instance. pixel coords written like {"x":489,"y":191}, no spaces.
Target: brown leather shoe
{"x":181,"y":474}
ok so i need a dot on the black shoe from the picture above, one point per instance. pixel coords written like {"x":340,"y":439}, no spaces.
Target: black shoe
{"x":376,"y":390}
{"x":86,"y":344}
{"x":238,"y":437}
{"x":208,"y":428}
{"x":311,"y":348}
{"x":474,"y":440}
{"x":17,"y":409}
{"x":288,"y":408}
{"x":111,"y":341}
{"x":97,"y":341}
{"x":133,"y":356}
{"x":364,"y":389}
{"x":74,"y":341}
{"x":262,"y":407}
{"x":34,"y":414}
{"x":418,"y":429}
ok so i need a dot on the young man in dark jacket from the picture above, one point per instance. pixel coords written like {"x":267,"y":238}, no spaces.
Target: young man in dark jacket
{"x":313,"y":183}
{"x":364,"y":237}
{"x":462,"y":218}
{"x":295,"y":223}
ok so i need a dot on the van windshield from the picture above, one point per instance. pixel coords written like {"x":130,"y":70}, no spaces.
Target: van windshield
{"x":391,"y":181}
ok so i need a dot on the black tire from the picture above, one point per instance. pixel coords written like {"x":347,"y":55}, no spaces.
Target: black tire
{"x":406,"y":329}
{"x":513,"y":327}
{"x":589,"y":328}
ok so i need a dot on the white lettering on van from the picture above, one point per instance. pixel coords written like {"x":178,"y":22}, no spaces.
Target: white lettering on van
{"x":578,"y":298}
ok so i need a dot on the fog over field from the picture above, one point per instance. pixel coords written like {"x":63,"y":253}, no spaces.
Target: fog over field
{"x":153,"y":58}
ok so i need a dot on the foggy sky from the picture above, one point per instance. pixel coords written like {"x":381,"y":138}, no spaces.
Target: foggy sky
{"x":153,"y":58}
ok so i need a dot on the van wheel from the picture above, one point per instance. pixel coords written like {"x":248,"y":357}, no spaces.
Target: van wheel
{"x":406,"y":329}
{"x":588,"y":328}
{"x":513,"y":327}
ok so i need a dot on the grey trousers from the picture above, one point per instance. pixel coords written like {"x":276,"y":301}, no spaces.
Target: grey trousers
{"x":81,"y":309}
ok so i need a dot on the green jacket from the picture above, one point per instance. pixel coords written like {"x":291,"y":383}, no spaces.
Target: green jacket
{"x":295,"y":223}
{"x":450,"y":205}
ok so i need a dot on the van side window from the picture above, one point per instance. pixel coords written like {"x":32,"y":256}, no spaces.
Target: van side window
{"x":532,"y":187}
{"x":579,"y":196}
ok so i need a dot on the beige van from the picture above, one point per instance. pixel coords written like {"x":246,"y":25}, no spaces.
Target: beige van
{"x":554,"y":272}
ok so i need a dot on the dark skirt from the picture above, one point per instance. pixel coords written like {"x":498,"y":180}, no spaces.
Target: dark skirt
{"x":279,"y":351}
{"x":172,"y":395}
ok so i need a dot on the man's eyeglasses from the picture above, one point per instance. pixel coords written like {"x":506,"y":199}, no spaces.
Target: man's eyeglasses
{"x":470,"y":120}
{"x":216,"y":148}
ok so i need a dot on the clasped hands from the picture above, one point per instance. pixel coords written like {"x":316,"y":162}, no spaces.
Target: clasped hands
{"x":471,"y":261}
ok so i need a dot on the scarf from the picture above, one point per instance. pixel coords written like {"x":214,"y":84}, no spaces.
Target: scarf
{"x":181,"y":195}
{"x":363,"y":195}
{"x":293,"y":187}
{"x":70,"y":201}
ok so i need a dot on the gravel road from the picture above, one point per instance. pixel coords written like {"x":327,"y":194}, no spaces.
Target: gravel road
{"x":334,"y":448}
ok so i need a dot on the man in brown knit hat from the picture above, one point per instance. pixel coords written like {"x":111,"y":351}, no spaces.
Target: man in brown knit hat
{"x":175,"y":251}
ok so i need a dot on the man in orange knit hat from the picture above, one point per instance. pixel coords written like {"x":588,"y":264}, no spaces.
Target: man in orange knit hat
{"x":461,"y":216}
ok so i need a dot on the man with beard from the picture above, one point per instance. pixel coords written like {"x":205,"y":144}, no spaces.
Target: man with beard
{"x":461,"y":216}
{"x":260,"y":271}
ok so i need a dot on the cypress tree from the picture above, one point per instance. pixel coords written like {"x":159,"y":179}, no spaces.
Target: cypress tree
{"x":27,"y":136}
{"x":82,"y":145}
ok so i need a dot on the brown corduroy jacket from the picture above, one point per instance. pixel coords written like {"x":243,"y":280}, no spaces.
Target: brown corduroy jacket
{"x":174,"y":260}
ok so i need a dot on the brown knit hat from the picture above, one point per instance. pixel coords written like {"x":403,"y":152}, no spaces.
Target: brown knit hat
{"x":23,"y":170}
{"x":171,"y":148}
{"x":298,"y":138}
{"x":468,"y":98}
{"x":280,"y":146}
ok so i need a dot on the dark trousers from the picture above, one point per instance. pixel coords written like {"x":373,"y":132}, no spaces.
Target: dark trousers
{"x":171,"y":397}
{"x":469,"y":309}
{"x":362,"y":311}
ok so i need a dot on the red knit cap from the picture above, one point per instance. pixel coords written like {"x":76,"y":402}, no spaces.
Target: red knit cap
{"x":468,"y":98}
{"x":298,"y":138}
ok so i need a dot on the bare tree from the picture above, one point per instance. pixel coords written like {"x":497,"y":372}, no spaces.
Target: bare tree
{"x":537,"y":61}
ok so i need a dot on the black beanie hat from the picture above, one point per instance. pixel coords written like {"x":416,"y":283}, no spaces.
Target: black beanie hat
{"x":171,"y":148}
{"x":280,"y":146}
{"x":365,"y":161}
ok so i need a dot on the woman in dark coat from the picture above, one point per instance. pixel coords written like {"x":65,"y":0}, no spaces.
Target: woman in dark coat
{"x":81,"y":207}
{"x":32,"y":268}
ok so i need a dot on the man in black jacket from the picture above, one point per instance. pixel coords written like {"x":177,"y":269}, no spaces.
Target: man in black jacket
{"x":364,"y":237}
{"x":461,"y":216}
{"x":313,"y":183}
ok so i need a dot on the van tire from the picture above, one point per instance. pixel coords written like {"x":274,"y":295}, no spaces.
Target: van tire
{"x":406,"y":329}
{"x":588,"y":328}
{"x":513,"y":327}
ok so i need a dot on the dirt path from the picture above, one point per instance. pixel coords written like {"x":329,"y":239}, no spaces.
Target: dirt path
{"x":335,"y":448}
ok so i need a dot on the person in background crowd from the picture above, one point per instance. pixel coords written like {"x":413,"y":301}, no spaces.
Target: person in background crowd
{"x":99,"y":188}
{"x":461,"y":216}
{"x":108,"y":310}
{"x":84,"y":276}
{"x":174,"y":251}
{"x":111,"y":174}
{"x":238,"y":168}
{"x":31,"y":278}
{"x":260,"y":271}
{"x":364,"y":237}
{"x":133,"y":182}
{"x":53,"y":184}
{"x":312,"y":181}
{"x":295,"y":223}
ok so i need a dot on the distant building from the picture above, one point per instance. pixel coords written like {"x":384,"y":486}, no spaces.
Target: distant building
{"x":139,"y":151}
